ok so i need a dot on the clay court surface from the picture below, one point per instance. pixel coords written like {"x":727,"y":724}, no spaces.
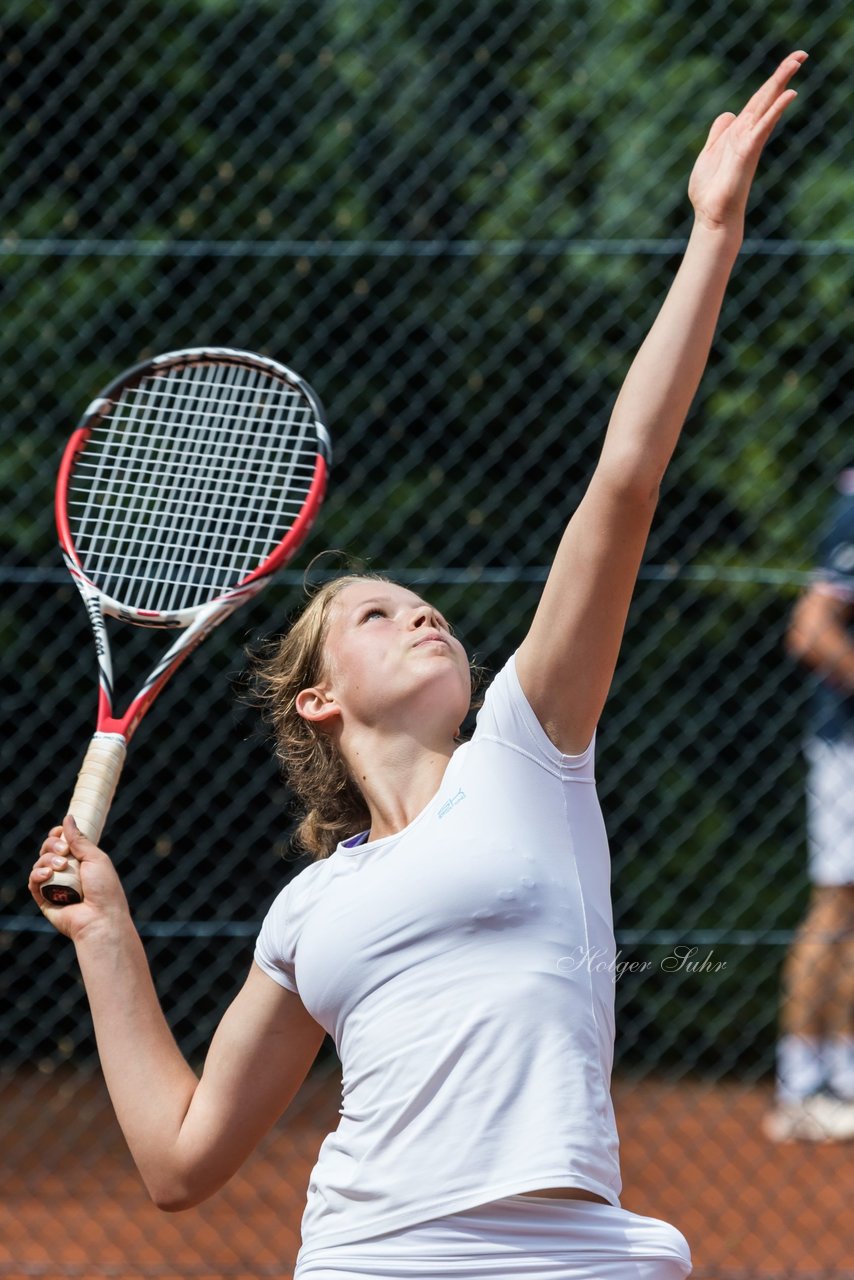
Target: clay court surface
{"x":692,"y":1153}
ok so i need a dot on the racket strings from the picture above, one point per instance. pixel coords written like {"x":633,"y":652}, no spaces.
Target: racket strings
{"x":190,"y":482}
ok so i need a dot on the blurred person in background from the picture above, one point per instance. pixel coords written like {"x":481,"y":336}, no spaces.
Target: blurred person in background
{"x":815,"y":1050}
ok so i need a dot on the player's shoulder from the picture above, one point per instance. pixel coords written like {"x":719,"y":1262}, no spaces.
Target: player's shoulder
{"x":508,"y":717}
{"x":498,"y":685}
{"x":302,"y":885}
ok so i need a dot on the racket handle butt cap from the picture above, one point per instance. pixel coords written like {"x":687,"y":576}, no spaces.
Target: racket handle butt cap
{"x":64,"y":888}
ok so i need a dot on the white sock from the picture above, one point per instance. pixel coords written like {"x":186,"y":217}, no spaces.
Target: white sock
{"x":800,"y":1066}
{"x":839,"y":1056}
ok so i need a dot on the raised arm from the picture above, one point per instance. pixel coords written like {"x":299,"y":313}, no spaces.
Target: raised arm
{"x":187,"y":1136}
{"x":566,"y":662}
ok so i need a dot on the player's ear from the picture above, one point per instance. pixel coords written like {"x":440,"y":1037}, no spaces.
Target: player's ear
{"x":316,"y":704}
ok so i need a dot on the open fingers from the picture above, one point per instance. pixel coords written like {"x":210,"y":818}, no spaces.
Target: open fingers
{"x":767,"y":97}
{"x":764,"y":127}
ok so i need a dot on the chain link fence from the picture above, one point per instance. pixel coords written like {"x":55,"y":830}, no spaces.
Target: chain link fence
{"x":457,"y":222}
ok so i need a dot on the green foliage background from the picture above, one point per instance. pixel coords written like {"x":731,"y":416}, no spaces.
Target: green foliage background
{"x":457,"y":222}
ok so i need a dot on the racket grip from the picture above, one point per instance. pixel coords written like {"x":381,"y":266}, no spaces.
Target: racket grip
{"x":90,"y":804}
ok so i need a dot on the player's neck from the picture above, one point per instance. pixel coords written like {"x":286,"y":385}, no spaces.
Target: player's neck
{"x":398,"y":776}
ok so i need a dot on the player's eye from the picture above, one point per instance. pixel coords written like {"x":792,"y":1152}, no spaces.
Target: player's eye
{"x":373,"y":611}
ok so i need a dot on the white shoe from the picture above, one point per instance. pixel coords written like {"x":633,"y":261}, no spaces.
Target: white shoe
{"x":821,"y":1117}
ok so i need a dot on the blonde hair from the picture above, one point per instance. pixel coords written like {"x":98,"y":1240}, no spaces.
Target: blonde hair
{"x":334,"y":807}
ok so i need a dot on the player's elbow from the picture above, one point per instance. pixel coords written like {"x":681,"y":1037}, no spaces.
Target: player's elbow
{"x":174,"y":1192}
{"x":631,"y":480}
{"x":177,"y":1205}
{"x":175,"y":1200}
{"x":170,"y":1197}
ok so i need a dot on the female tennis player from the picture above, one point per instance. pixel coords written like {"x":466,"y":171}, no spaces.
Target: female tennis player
{"x":436,"y":934}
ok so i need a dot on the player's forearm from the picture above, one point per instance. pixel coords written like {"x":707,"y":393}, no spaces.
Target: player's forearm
{"x":660,"y":386}
{"x":149,"y":1082}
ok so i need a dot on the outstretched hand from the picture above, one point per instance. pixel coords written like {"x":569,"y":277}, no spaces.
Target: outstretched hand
{"x":721,"y":179}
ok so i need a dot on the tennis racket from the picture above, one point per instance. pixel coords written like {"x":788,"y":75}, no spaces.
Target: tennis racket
{"x":187,"y":483}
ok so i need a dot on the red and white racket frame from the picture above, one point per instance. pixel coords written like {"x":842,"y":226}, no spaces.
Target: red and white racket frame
{"x":105,"y":756}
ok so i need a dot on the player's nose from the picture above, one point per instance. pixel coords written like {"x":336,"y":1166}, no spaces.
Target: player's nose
{"x":423,"y":616}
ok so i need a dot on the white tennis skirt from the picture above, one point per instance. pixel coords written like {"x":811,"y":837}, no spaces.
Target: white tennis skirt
{"x":537,"y":1237}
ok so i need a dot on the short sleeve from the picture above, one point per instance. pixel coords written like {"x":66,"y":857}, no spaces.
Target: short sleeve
{"x":275,"y":944}
{"x":508,"y":717}
{"x":836,"y":550}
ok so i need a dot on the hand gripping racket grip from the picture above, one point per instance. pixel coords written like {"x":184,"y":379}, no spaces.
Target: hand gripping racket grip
{"x":90,"y":804}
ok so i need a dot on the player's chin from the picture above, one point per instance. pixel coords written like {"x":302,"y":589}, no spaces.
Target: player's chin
{"x":447,"y":671}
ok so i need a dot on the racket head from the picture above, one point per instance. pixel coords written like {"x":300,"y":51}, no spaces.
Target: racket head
{"x":189,"y":480}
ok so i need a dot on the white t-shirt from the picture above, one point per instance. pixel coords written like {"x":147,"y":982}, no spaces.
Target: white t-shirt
{"x":461,"y":967}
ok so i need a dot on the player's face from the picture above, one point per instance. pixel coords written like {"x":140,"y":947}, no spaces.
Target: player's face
{"x":391,"y":656}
